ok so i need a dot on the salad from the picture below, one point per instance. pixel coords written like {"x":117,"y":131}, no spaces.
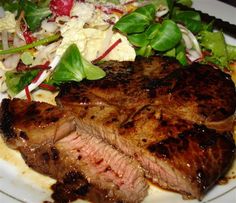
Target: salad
{"x":44,"y":43}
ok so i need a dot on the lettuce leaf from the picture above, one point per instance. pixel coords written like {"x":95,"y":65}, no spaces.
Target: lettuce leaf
{"x":17,"y":81}
{"x":34,"y":14}
{"x":11,"y":6}
{"x":215,"y":43}
{"x":73,"y":67}
{"x":231,"y":52}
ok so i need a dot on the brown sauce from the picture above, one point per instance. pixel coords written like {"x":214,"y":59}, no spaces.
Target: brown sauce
{"x":226,"y":179}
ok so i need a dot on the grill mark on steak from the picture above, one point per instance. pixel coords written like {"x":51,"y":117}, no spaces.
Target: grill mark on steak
{"x":151,"y":110}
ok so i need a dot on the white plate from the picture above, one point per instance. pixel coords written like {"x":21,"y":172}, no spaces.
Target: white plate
{"x":18,"y":184}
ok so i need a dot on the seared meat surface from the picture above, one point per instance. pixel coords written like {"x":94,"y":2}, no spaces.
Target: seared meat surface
{"x":49,"y":142}
{"x":148,"y":118}
{"x":175,"y":121}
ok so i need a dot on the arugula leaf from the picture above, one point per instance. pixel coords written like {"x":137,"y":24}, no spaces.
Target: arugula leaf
{"x":73,"y":67}
{"x":136,"y":21}
{"x":17,"y":81}
{"x":34,"y":14}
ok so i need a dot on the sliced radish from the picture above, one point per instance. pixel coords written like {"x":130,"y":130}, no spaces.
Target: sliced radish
{"x":192,"y":46}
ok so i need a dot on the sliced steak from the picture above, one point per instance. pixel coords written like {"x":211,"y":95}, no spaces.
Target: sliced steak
{"x":50,"y":144}
{"x":198,"y":93}
{"x":175,"y":121}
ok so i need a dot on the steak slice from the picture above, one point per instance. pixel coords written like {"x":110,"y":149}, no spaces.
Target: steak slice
{"x":50,"y":143}
{"x":198,"y":93}
{"x":175,"y":122}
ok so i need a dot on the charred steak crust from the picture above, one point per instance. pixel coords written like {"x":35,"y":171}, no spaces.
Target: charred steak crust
{"x":174,"y":122}
{"x":154,"y":102}
{"x":196,"y":89}
{"x":6,"y":120}
{"x":47,"y":138}
{"x":184,"y":152}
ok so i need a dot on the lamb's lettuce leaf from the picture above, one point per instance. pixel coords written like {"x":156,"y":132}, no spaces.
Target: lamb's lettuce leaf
{"x":136,"y":21}
{"x":148,"y":35}
{"x":167,"y":37}
{"x":73,"y":67}
{"x":190,"y":19}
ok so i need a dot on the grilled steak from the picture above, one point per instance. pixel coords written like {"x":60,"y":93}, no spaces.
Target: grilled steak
{"x":173,"y":122}
{"x":49,"y":142}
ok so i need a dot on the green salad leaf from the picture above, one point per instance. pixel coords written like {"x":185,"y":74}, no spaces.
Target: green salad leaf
{"x":181,"y":54}
{"x":11,"y":6}
{"x":92,"y":72}
{"x":145,"y":51}
{"x":73,"y":67}
{"x":161,"y":36}
{"x":136,"y":21}
{"x":190,"y":19}
{"x":167,"y":37}
{"x":215,"y":43}
{"x":138,"y":40}
{"x":221,"y":53}
{"x":17,"y":81}
{"x":34,"y":14}
{"x":231,"y":50}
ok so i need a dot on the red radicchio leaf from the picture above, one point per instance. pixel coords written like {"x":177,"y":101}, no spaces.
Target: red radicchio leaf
{"x":29,"y":38}
{"x":61,"y":7}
